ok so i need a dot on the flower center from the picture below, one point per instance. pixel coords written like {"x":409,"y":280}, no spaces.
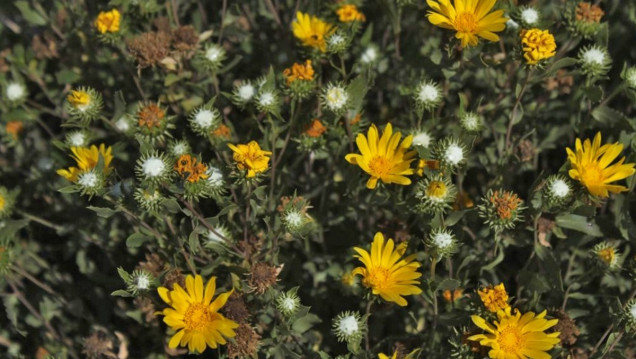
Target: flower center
{"x":607,"y":255}
{"x":379,"y":166}
{"x":2,"y":203}
{"x":197,"y":316}
{"x":436,"y":189}
{"x":592,"y":176}
{"x":151,"y":116}
{"x":378,"y":278}
{"x":466,"y":22}
{"x":510,"y":340}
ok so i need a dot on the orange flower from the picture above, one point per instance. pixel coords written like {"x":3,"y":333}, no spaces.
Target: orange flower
{"x":188,"y":167}
{"x":454,"y":295}
{"x":463,"y":201}
{"x":222,"y":131}
{"x":315,"y":129}
{"x":299,"y":72}
{"x":589,"y":13}
{"x":14,"y":128}
{"x":505,"y":202}
{"x":150,"y":116}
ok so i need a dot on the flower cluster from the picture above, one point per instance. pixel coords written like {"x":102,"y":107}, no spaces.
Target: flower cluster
{"x":359,"y":178}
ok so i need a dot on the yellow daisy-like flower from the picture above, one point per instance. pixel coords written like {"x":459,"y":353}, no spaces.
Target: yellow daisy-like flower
{"x":250,"y":157}
{"x":350,"y":13}
{"x":311,"y":31}
{"x":494,"y":298}
{"x":607,"y":255}
{"x":537,"y":45}
{"x":385,"y":273}
{"x":591,"y":166}
{"x":470,"y":18}
{"x":299,"y":72}
{"x":517,"y":336}
{"x":437,"y":190}
{"x":384,"y":158}
{"x":108,"y":21}
{"x":195,"y":316}
{"x":87,"y":159}
{"x":79,"y":99}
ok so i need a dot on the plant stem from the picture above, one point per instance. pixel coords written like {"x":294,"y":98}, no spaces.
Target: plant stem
{"x":435,"y":309}
{"x":609,"y":329}
{"x":515,"y":108}
{"x":367,"y":343}
{"x":34,"y":280}
{"x":41,"y":221}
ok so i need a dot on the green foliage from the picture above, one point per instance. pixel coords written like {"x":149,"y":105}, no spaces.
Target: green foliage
{"x":80,"y":262}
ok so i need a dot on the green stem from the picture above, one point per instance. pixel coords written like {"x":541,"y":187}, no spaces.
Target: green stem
{"x":41,"y":221}
{"x":435,"y":309}
{"x":515,"y":108}
{"x":613,"y":94}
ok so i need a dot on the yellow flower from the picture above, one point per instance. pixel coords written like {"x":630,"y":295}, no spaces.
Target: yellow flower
{"x":299,"y":72}
{"x":385,"y":158}
{"x":437,"y":190}
{"x":607,"y":255}
{"x":591,"y":166}
{"x":537,"y":45}
{"x":350,"y":13}
{"x":422,"y":164}
{"x":79,"y":99}
{"x":347,"y":279}
{"x":385,"y":273}
{"x":517,"y":336}
{"x":108,"y":21}
{"x":195,"y":316}
{"x":87,"y":159}
{"x":3,"y":202}
{"x":494,"y":298}
{"x":250,"y":157}
{"x":470,"y":18}
{"x":311,"y":31}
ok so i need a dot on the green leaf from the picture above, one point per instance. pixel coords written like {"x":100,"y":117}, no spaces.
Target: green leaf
{"x":123,"y":274}
{"x":135,"y":240}
{"x":29,"y":14}
{"x":594,"y":93}
{"x":103,"y":212}
{"x":448,"y":284}
{"x":518,"y":114}
{"x":69,"y":189}
{"x":578,"y":223}
{"x":454,"y":217}
{"x":357,"y":89}
{"x":564,"y":62}
{"x":67,"y":76}
{"x":171,"y":205}
{"x":303,"y":324}
{"x":606,"y":115}
{"x":121,"y":293}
